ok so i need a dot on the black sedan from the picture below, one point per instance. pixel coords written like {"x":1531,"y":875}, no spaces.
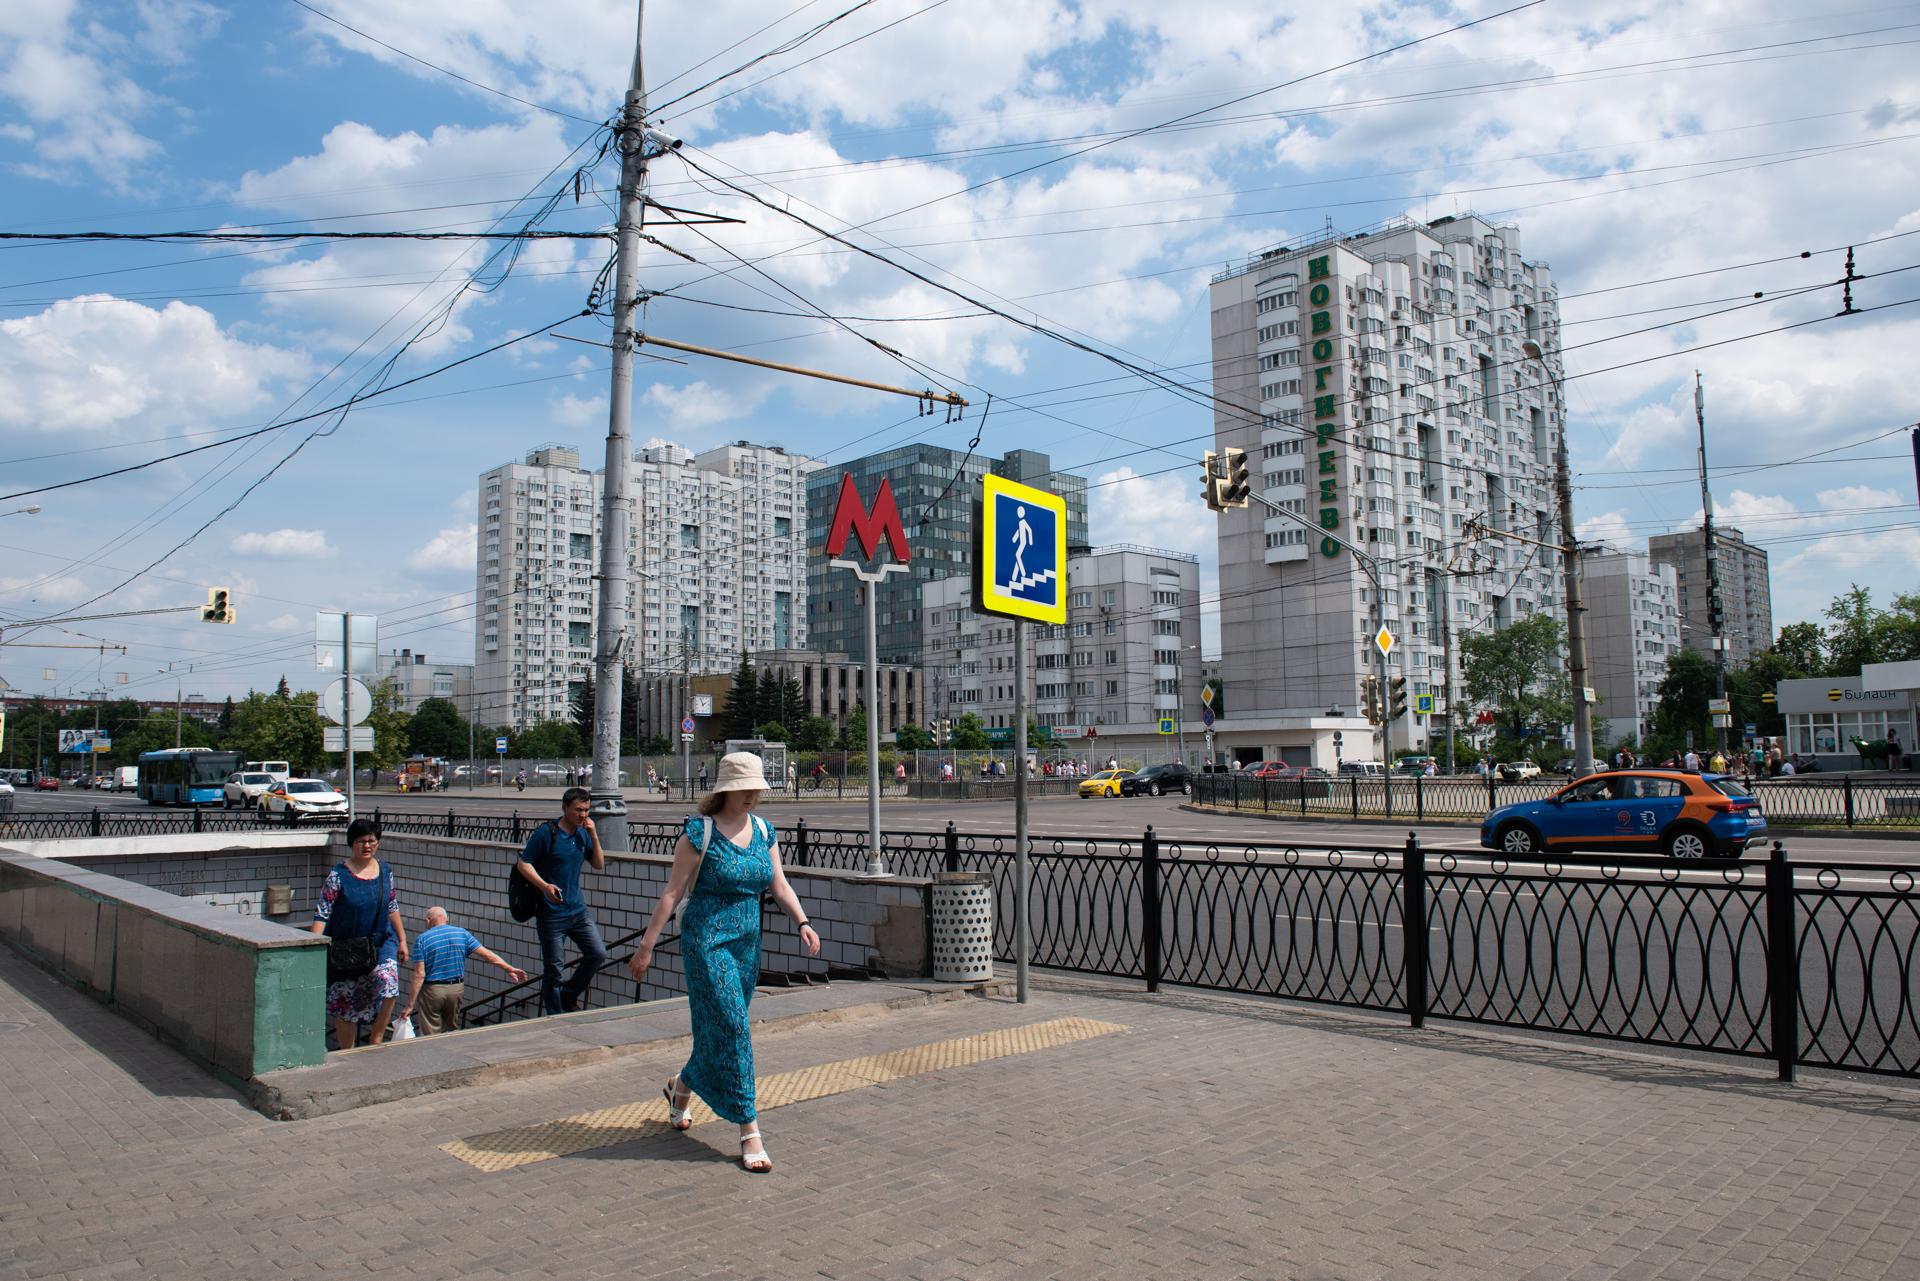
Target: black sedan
{"x":1158,"y":780}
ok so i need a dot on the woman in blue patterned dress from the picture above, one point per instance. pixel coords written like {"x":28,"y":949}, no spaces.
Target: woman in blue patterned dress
{"x":720,"y":945}
{"x":357,"y":900}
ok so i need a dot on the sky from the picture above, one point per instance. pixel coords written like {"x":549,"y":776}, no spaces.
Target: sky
{"x":1061,"y":179}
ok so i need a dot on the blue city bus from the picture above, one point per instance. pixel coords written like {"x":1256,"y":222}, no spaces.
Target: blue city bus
{"x":186,"y":776}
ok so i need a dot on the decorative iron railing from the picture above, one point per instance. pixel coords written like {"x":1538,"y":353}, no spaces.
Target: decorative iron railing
{"x":1802,"y":962}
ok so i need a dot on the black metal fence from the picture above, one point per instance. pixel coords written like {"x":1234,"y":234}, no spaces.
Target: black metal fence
{"x":1801,"y":962}
{"x":1839,"y":802}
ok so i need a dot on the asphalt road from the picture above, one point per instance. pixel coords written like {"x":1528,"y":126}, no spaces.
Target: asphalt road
{"x":1060,"y":818}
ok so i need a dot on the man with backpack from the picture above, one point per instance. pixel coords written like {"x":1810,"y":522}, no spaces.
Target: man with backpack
{"x":552,"y":862}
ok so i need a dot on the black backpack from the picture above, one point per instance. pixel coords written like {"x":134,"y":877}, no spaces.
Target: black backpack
{"x":523,"y":896}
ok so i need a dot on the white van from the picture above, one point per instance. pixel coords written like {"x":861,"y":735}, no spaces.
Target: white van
{"x":280,"y":770}
{"x":126,"y":778}
{"x":1362,"y":769}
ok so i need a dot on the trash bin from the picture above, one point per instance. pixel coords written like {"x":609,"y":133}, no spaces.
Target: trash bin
{"x":962,"y":927}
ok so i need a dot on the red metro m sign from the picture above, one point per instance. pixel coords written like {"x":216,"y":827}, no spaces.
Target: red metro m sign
{"x":851,"y":516}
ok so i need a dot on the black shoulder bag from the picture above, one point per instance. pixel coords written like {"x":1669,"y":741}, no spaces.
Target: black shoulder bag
{"x":349,"y":959}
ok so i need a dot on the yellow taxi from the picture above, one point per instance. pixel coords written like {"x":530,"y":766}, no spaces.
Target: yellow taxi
{"x":1105,"y":783}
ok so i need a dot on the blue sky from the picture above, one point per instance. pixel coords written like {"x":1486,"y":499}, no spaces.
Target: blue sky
{"x":1645,"y":159}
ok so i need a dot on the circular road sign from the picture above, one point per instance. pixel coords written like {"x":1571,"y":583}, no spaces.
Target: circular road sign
{"x":336,"y":706}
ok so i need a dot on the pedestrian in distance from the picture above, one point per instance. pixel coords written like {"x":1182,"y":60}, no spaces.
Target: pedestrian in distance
{"x":359,"y":913}
{"x":554,"y":859}
{"x":440,"y":973}
{"x":703,"y":776}
{"x":724,"y":860}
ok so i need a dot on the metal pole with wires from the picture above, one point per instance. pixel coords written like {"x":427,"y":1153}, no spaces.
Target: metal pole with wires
{"x":637,"y":145}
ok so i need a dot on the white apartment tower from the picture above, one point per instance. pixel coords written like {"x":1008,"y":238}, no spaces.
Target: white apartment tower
{"x":718,"y":564}
{"x":1128,"y":654}
{"x":1378,"y":385}
{"x":1633,"y":627}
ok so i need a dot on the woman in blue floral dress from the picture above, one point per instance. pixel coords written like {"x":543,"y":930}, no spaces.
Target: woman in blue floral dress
{"x":720,"y":945}
{"x":357,"y":900}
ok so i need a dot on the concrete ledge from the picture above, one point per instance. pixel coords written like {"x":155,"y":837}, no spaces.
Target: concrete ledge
{"x":197,"y":844}
{"x":478,"y":1056}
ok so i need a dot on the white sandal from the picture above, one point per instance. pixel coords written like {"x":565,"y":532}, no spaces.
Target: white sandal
{"x":680,"y":1118}
{"x":761,"y":1164}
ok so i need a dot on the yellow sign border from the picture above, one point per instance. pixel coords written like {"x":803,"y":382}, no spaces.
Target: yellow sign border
{"x":988,"y":598}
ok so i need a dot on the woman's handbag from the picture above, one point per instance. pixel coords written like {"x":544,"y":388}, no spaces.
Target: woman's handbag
{"x":349,"y":959}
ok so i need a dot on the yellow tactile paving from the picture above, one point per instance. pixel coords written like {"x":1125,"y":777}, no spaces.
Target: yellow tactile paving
{"x":505,"y":1149}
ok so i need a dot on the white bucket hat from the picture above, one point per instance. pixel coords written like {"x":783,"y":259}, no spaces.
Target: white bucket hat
{"x":741,"y":772}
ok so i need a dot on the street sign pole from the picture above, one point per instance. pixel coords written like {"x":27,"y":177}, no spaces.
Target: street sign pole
{"x":876,"y":861}
{"x":346,"y":672}
{"x":1021,"y":943}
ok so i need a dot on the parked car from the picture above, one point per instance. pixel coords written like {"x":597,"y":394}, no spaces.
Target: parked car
{"x":550,"y":774}
{"x":245,"y":789}
{"x":1517,"y":771}
{"x":1362,"y":769}
{"x":303,"y":798}
{"x":1270,"y":769}
{"x":6,"y":797}
{"x":1661,"y":811}
{"x":1105,"y":783}
{"x":1158,"y":780}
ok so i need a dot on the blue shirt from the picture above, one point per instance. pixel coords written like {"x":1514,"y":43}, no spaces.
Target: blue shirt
{"x":557,"y":856}
{"x":444,"y":950}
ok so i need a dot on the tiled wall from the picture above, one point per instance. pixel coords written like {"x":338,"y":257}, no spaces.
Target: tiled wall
{"x":225,"y":873}
{"x":859,"y":922}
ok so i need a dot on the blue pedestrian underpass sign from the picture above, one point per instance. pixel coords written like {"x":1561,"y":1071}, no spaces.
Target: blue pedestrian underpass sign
{"x":1020,"y":552}
{"x":1423,"y":704}
{"x":1166,"y":724}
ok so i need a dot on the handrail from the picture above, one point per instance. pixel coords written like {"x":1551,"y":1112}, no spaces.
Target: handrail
{"x":470,"y":1016}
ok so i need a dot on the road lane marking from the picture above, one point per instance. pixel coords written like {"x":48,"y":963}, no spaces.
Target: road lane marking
{"x":584,"y":1131}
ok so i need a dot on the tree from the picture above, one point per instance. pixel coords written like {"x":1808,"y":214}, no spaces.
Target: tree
{"x":276,"y":727}
{"x":772,"y":732}
{"x":766,"y":699}
{"x":912,"y":738}
{"x":1852,"y":641}
{"x":389,"y":729}
{"x":853,"y":735}
{"x":1517,"y":674}
{"x":580,"y":704}
{"x":1802,"y":648}
{"x":814,"y":734}
{"x":438,"y":729}
{"x":282,"y":690}
{"x":657,"y":745}
{"x":1682,"y":706}
{"x":742,"y":711}
{"x":549,"y":740}
{"x":793,"y":704}
{"x":969,"y":735}
{"x":1761,"y":676}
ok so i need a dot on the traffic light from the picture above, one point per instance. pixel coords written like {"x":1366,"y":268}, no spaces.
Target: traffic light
{"x":1239,"y":481}
{"x":1370,"y":696}
{"x":219,"y":606}
{"x":1210,"y":486}
{"x":1398,"y":700}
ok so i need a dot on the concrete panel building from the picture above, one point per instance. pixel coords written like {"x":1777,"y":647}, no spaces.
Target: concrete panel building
{"x":1633,"y":626}
{"x":717,"y":560}
{"x":1746,"y":590}
{"x":1378,"y":384}
{"x":1128,"y":654}
{"x":934,"y":488}
{"x":416,"y":679}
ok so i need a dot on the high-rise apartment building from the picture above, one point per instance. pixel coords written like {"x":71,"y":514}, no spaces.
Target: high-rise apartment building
{"x":416,"y":679}
{"x":1128,"y":654}
{"x":717,"y":559}
{"x":934,"y":488}
{"x":1378,"y":384}
{"x":1746,"y":590}
{"x":1633,"y":626}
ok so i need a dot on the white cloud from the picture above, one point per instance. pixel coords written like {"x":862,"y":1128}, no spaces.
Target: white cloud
{"x":579,"y":411}
{"x":285,"y":544}
{"x":56,"y":590}
{"x":1613,"y":528}
{"x":701,"y":404}
{"x":287,"y":623}
{"x":97,"y":362}
{"x":451,"y":550}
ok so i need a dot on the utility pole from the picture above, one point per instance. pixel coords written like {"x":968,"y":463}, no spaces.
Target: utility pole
{"x":686,"y":707}
{"x":1716,"y":614}
{"x":1570,"y":566}
{"x":609,"y":807}
{"x":1446,"y":656}
{"x":1022,"y":874}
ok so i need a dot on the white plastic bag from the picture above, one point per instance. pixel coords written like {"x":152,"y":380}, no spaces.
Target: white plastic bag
{"x":402,"y":1029}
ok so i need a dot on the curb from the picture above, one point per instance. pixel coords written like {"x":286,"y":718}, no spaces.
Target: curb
{"x":1469,"y":825}
{"x":289,"y":1101}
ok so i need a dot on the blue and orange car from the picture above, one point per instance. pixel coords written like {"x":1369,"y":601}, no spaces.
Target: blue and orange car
{"x":1658,"y":811}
